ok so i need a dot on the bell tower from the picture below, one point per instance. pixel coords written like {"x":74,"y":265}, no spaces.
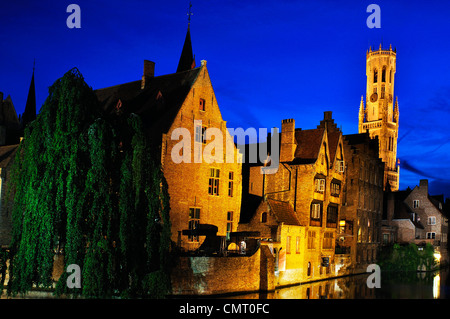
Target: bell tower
{"x":380,"y":115}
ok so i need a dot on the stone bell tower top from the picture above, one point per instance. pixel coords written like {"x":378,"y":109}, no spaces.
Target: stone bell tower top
{"x":380,"y":115}
{"x":380,"y":72}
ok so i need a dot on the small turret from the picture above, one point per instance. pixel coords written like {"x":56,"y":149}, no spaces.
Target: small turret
{"x":396,"y":112}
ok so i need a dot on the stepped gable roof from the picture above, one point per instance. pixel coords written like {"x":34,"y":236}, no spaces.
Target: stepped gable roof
{"x":308,"y":145}
{"x":158,"y":103}
{"x":283,"y":212}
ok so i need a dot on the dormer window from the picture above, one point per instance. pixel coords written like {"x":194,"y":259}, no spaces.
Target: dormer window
{"x":340,"y":166}
{"x":319,"y":185}
{"x":335,"y":189}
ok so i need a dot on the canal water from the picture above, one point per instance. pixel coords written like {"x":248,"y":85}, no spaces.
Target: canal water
{"x":398,"y":285}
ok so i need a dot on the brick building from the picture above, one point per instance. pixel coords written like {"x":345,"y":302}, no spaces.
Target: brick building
{"x":361,"y":214}
{"x":416,"y":217}
{"x":204,"y":177}
{"x":308,"y":183}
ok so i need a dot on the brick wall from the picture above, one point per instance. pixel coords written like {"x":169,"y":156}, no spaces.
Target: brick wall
{"x":222,"y":275}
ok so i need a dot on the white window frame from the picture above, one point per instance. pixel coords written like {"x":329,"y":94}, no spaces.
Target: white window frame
{"x":416,"y":203}
{"x":319,"y":184}
{"x":315,"y":213}
{"x":340,"y":166}
{"x":431,"y":220}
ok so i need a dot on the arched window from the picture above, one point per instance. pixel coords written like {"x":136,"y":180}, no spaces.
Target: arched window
{"x":390,"y":76}
{"x":264,"y":217}
{"x":383,"y":74}
{"x":375,"y":76}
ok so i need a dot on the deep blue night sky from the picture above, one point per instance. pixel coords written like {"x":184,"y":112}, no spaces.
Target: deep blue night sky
{"x":268,"y":60}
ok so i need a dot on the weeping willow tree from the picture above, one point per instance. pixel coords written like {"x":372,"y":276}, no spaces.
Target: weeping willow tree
{"x":87,"y":186}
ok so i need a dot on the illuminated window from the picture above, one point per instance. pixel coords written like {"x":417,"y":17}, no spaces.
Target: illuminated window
{"x":194,"y":220}
{"x":288,"y":245}
{"x":335,"y":189}
{"x":214,"y":178}
{"x":340,"y":166}
{"x":327,"y":240}
{"x":200,"y":134}
{"x":319,"y":185}
{"x":229,"y":224}
{"x":202,"y":106}
{"x":230,"y":183}
{"x":308,"y":274}
{"x":316,"y":214}
{"x":297,"y":245}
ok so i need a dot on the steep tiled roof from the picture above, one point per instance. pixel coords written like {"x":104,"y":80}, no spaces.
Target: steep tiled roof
{"x":333,"y":141}
{"x":402,"y":211}
{"x":158,"y":103}
{"x":283,"y":212}
{"x":308,"y":145}
{"x":436,"y":200}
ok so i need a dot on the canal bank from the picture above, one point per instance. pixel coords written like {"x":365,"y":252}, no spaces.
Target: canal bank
{"x":394,"y":285}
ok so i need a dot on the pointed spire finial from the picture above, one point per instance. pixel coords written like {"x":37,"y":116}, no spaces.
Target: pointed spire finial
{"x":189,"y":14}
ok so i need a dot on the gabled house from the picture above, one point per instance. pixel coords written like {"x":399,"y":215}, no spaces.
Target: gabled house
{"x":204,"y":180}
{"x":418,"y":218}
{"x":278,"y":228}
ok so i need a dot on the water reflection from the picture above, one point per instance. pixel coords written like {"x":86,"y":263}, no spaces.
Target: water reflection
{"x":398,"y":285}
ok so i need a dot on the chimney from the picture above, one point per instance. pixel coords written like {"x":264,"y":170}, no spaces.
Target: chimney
{"x":149,"y":72}
{"x":423,"y":186}
{"x":288,"y":145}
{"x":1,"y":97}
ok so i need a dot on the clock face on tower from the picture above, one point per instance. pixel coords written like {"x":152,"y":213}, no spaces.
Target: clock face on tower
{"x":373,"y":97}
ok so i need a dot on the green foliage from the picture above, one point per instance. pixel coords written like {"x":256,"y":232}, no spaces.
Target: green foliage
{"x":407,"y":258}
{"x":88,"y":186}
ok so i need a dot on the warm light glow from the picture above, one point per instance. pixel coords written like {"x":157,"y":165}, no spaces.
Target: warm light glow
{"x":342,"y":223}
{"x":437,"y":256}
{"x":436,"y":286}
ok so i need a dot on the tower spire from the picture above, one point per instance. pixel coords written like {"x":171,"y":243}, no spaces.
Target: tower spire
{"x":187,"y":58}
{"x":29,"y":114}
{"x":189,"y":14}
